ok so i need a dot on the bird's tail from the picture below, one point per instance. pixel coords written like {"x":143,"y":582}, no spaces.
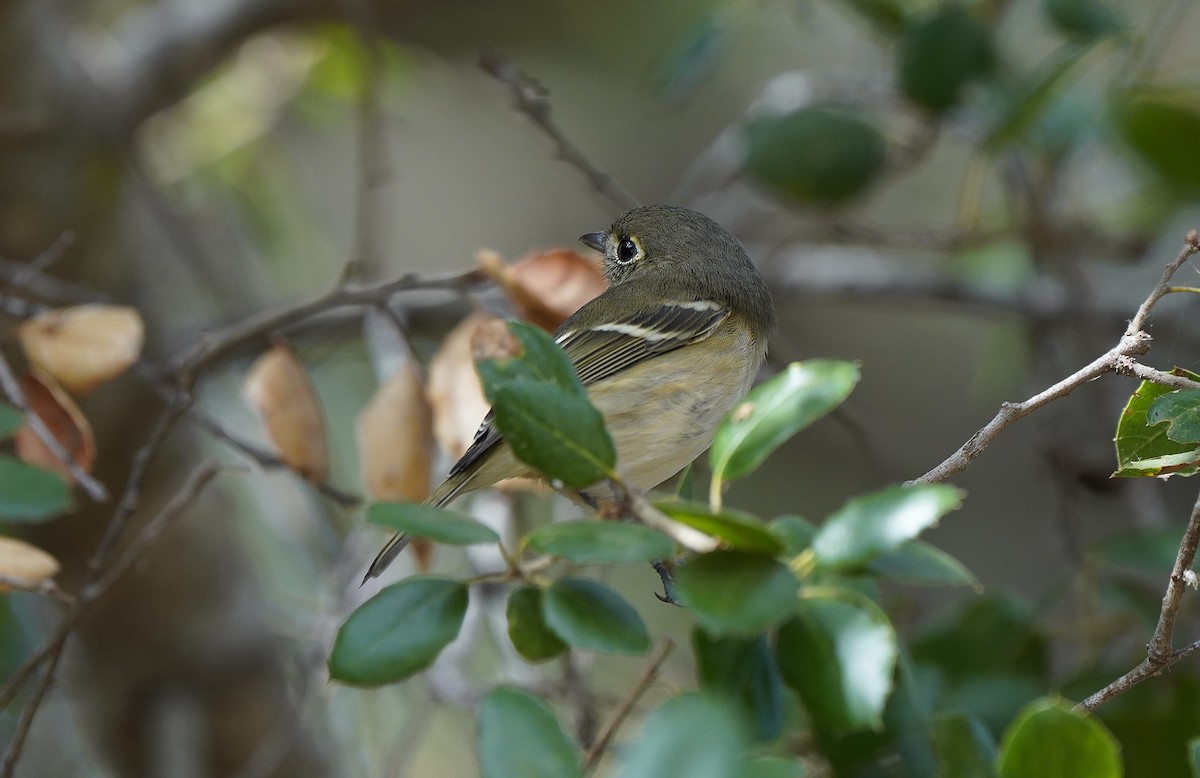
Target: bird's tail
{"x":442,"y":495}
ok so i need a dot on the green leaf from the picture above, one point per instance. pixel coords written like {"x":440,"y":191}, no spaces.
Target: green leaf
{"x":1185,"y":464}
{"x":1139,"y":443}
{"x":1193,"y":750}
{"x":399,"y":631}
{"x":917,"y":562}
{"x":777,"y":409}
{"x":540,"y":361}
{"x":1084,"y":20}
{"x":744,"y":670}
{"x":30,"y":494}
{"x":694,"y":734}
{"x":543,"y":411}
{"x":736,"y":592}
{"x":866,"y":527}
{"x":587,"y":542}
{"x":560,"y":435}
{"x":839,"y":653}
{"x":519,"y":737}
{"x":817,"y":154}
{"x":940,"y":54}
{"x":965,"y":748}
{"x":1180,"y":409}
{"x":589,"y":615}
{"x":796,"y":533}
{"x":1161,"y":127}
{"x":739,"y":530}
{"x":1050,"y":740}
{"x":11,"y":420}
{"x":426,"y":521}
{"x":527,"y":629}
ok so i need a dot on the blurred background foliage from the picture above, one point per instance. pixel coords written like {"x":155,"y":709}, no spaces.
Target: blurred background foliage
{"x":968,"y":198}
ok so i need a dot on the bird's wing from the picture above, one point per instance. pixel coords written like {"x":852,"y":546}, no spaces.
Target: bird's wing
{"x":601,"y":351}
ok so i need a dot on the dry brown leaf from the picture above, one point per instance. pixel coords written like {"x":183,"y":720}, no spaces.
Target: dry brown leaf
{"x":83,"y":346}
{"x":545,"y":287}
{"x":395,"y":438}
{"x":277,"y":386}
{"x":25,"y":562}
{"x":454,"y":392}
{"x":65,"y":421}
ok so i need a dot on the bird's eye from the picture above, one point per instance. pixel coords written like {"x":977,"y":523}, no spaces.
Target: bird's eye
{"x":627,"y":250}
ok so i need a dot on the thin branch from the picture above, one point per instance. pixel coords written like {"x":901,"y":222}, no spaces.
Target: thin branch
{"x":216,"y":345}
{"x":533,"y":100}
{"x":12,"y":389}
{"x":1159,"y":652}
{"x":46,"y":586}
{"x":31,"y":277}
{"x":596,"y":752}
{"x":370,"y":167}
{"x":1118,"y":359}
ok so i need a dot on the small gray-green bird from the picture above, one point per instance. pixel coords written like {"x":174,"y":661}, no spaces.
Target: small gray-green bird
{"x":665,"y":352}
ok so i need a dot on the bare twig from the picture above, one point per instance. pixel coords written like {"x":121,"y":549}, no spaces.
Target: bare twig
{"x":596,"y":752}
{"x":371,"y":165}
{"x":49,"y":654}
{"x":533,"y":100}
{"x":12,"y":389}
{"x":30,"y":276}
{"x":1118,"y":359}
{"x":1159,"y":652}
{"x":46,"y":586}
{"x":216,"y":345}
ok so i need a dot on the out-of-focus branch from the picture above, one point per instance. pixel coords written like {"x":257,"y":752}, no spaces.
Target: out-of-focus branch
{"x":596,"y":753}
{"x":532,"y":99}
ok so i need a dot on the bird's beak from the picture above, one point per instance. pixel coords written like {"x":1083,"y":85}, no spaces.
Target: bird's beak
{"x":595,"y":240}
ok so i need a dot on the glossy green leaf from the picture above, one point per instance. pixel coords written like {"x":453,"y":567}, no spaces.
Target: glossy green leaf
{"x":426,"y":521}
{"x":519,"y":737}
{"x":695,"y":734}
{"x":587,"y":542}
{"x":868,"y":526}
{"x":29,"y":493}
{"x":11,"y":420}
{"x":561,"y":435}
{"x":744,"y":671}
{"x":1084,"y":20}
{"x":777,"y":409}
{"x":527,"y":628}
{"x":399,"y":631}
{"x":795,"y":533}
{"x":1141,"y":447}
{"x":940,"y":54}
{"x":839,"y":653}
{"x":1180,"y":410}
{"x":544,"y":413}
{"x":1051,"y":740}
{"x":814,"y":155}
{"x":965,"y":748}
{"x":587,"y":614}
{"x":736,"y":592}
{"x":738,"y":530}
{"x":1161,"y":127}
{"x":540,"y":361}
{"x":917,"y":562}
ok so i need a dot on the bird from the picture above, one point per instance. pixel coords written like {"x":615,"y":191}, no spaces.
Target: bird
{"x":664,"y":353}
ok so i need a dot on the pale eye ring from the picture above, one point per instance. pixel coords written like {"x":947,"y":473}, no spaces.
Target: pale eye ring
{"x":627,"y":250}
